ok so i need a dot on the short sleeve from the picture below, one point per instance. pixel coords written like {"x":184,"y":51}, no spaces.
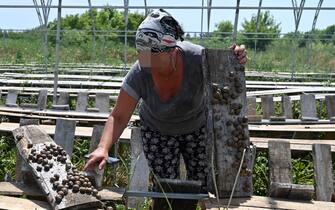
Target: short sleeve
{"x":132,"y":83}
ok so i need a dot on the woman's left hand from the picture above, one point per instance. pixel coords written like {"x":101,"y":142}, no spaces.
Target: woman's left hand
{"x":240,"y":53}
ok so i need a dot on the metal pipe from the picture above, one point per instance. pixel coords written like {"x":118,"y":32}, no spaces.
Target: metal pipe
{"x":126,"y":4}
{"x":57,"y":56}
{"x":237,"y":11}
{"x":93,"y":28}
{"x":202,"y":22}
{"x":168,"y":7}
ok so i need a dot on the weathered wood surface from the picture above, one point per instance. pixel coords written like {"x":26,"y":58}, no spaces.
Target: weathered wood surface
{"x":64,"y":134}
{"x":259,"y":202}
{"x":12,"y":203}
{"x":330,"y":103}
{"x":33,"y":191}
{"x":119,"y":79}
{"x":296,"y":144}
{"x":291,"y":191}
{"x":97,"y":174}
{"x":308,"y":107}
{"x":226,"y":122}
{"x":286,"y":105}
{"x":63,"y":77}
{"x":50,"y":129}
{"x":267,"y":107}
{"x":46,"y":83}
{"x":323,"y":172}
{"x":30,"y":138}
{"x":294,"y":128}
{"x":292,"y":90}
{"x":280,"y":164}
{"x":139,"y":169}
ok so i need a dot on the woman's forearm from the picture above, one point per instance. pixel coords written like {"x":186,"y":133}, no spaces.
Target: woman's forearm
{"x":112,"y":131}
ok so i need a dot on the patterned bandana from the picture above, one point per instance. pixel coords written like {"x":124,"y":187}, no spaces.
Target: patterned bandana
{"x":158,"y":32}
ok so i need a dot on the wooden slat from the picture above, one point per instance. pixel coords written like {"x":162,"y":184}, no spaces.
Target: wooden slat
{"x":270,"y":203}
{"x":323,"y":172}
{"x":17,"y":189}
{"x":12,"y":203}
{"x":280,"y":162}
{"x":294,"y":128}
{"x":50,"y":129}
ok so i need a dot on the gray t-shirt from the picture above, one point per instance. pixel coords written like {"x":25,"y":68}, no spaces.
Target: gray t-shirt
{"x":184,"y":112}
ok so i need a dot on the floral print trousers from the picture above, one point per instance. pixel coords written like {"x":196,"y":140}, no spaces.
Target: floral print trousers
{"x":163,"y":153}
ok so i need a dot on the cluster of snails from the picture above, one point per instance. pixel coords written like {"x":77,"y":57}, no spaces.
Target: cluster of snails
{"x":74,"y":181}
{"x":44,"y":158}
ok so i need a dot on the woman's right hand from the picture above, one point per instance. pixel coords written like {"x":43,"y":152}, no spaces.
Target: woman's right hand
{"x":97,"y":158}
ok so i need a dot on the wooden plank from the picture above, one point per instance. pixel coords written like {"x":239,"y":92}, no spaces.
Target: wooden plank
{"x":267,"y":106}
{"x":286,"y":105}
{"x":308,"y":107}
{"x":294,"y":128}
{"x":270,"y":203}
{"x":30,"y":141}
{"x":50,"y":129}
{"x":20,"y":189}
{"x":12,"y":203}
{"x":139,"y":169}
{"x":45,"y":83}
{"x":295,"y":144}
{"x":64,"y":134}
{"x":226,"y":91}
{"x":63,"y":77}
{"x":323,"y":172}
{"x":291,"y":191}
{"x":32,"y":191}
{"x":82,"y":101}
{"x":291,"y":90}
{"x":330,"y":103}
{"x":97,"y":174}
{"x":280,"y":165}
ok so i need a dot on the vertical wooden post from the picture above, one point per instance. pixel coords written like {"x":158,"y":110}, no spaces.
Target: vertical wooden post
{"x":102,"y":102}
{"x":64,"y":134}
{"x":267,"y":107}
{"x":12,"y":98}
{"x":81,"y":101}
{"x":287,"y":107}
{"x":227,"y":122}
{"x":330,"y":102}
{"x":96,"y":135}
{"x":42,"y":99}
{"x":63,"y":99}
{"x":252,"y":106}
{"x":308,"y":107}
{"x":139,"y":170}
{"x":323,"y":172}
{"x":280,"y":161}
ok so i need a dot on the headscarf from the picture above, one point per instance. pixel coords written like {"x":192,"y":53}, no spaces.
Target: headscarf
{"x":158,"y":32}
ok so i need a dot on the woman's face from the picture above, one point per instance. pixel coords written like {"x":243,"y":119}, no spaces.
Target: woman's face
{"x":157,"y":60}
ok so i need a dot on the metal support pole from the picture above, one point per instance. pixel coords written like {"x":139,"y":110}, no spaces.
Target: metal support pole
{"x":145,"y":6}
{"x":237,"y":11}
{"x":257,"y":28}
{"x":57,"y":56}
{"x":93,"y":28}
{"x":202,"y":22}
{"x":126,"y":4}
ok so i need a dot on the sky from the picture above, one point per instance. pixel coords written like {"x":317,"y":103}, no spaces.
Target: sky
{"x":26,"y":18}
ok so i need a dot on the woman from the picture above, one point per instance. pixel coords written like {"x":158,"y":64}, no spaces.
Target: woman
{"x":168,"y":79}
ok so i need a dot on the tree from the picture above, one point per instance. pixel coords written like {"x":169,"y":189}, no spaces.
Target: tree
{"x":267,"y":26}
{"x":224,"y":28}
